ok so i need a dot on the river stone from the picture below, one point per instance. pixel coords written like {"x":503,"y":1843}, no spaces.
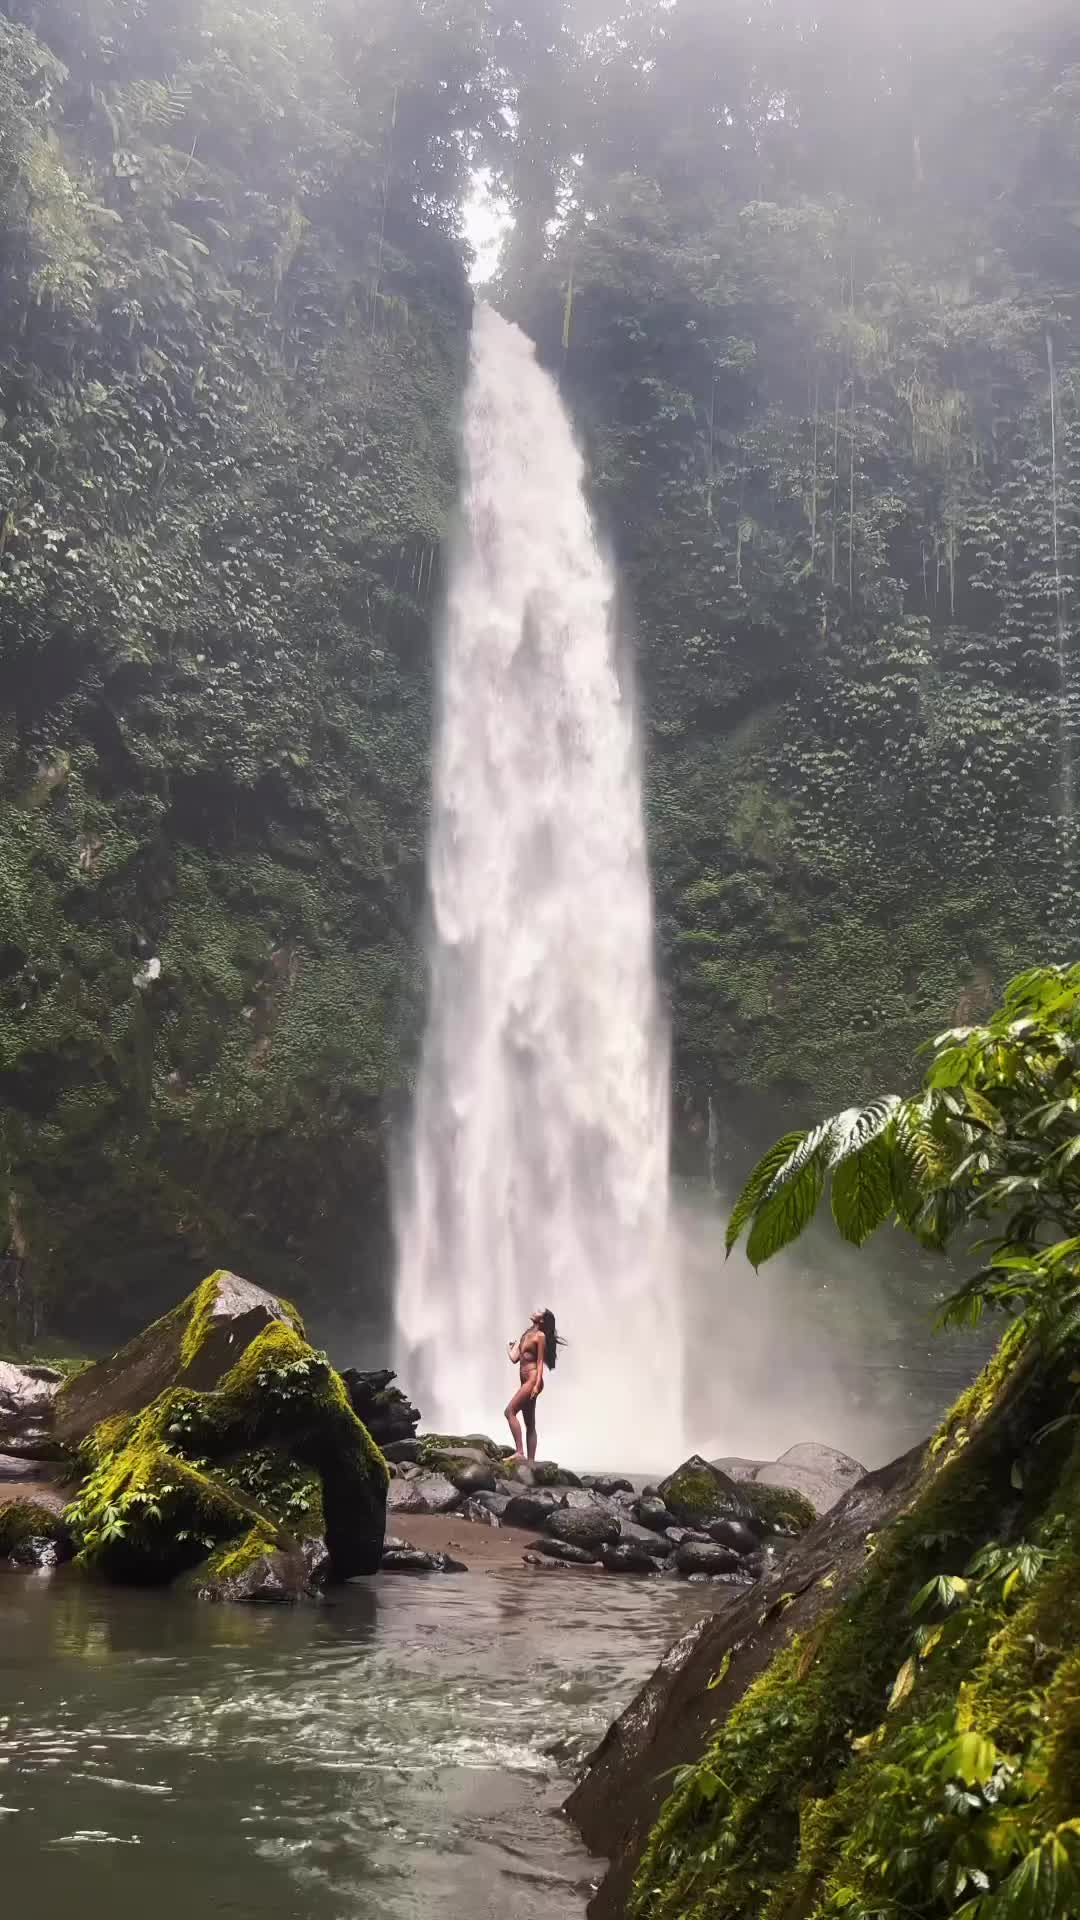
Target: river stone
{"x":697,"y":1494}
{"x":33,"y":1535}
{"x":582,"y":1500}
{"x":413,"y":1560}
{"x":275,"y":1579}
{"x":607,"y":1483}
{"x":643,"y":1537}
{"x":566,"y":1551}
{"x":530,"y":1508}
{"x":625,"y":1556}
{"x":704,"y":1556}
{"x":589,"y":1527}
{"x":494,"y":1503}
{"x":403,"y":1451}
{"x":232,"y":1312}
{"x":479,"y":1515}
{"x":473,"y":1476}
{"x":26,"y":1410}
{"x":385,"y":1411}
{"x":742,"y":1539}
{"x":651,"y":1512}
{"x":423,"y":1493}
{"x":679,"y":1535}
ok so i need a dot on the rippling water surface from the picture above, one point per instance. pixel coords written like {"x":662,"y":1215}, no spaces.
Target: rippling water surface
{"x":379,"y":1758}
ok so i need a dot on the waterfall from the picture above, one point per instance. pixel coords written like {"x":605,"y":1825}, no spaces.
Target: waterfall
{"x":537,"y":1171}
{"x":1068,"y":776}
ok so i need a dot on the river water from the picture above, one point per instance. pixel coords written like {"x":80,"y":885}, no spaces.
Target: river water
{"x":379,"y":1758}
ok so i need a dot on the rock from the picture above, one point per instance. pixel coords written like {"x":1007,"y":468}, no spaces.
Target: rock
{"x":26,"y":1410}
{"x":623,"y":1502}
{"x":273,"y":1439}
{"x":385,"y":1411}
{"x":479,"y":1515}
{"x":193,"y":1346}
{"x":650,"y":1511}
{"x":392,"y":1544}
{"x":606,"y":1483}
{"x":643,"y":1537}
{"x":423,"y":1493}
{"x":401,"y":1451}
{"x":736,"y":1534}
{"x":780,"y":1510}
{"x":32,"y":1535}
{"x":530,"y":1509}
{"x":413,"y":1560}
{"x":678,"y":1535}
{"x":737,"y":1468}
{"x":587,"y":1527}
{"x":494,"y":1503}
{"x":811,"y":1493}
{"x":273,"y":1578}
{"x":697,"y":1494}
{"x":704,"y":1556}
{"x":566,"y":1551}
{"x":539,"y":1473}
{"x":582,"y":1500}
{"x":474,"y":1476}
{"x":627,"y":1557}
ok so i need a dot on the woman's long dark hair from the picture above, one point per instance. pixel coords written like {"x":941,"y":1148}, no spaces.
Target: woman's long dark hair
{"x":552,"y":1341}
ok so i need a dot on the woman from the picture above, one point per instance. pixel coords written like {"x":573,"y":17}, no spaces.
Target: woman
{"x":536,"y":1349}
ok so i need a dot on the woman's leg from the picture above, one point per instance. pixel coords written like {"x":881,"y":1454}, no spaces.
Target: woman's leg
{"x":520,"y":1400}
{"x":529,"y":1416}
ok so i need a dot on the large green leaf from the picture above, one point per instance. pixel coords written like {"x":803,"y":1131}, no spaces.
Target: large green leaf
{"x":784,"y":1213}
{"x":862,"y":1191}
{"x":759,"y":1183}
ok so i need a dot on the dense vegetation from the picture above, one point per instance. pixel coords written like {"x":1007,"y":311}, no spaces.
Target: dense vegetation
{"x":808,"y":272}
{"x":916,"y":1755}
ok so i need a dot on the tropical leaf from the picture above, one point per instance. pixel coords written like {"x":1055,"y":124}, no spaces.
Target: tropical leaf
{"x":784,"y":1212}
{"x":759,"y":1183}
{"x":862,"y":1191}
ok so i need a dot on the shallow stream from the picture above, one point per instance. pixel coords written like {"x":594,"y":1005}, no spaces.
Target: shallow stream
{"x":384,"y":1757}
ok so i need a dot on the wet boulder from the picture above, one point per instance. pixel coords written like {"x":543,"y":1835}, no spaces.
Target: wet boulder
{"x":643,"y":1537}
{"x":697,"y":1494}
{"x":607,"y":1483}
{"x":403,"y":1452}
{"x":588,"y":1527}
{"x":414,"y":1560}
{"x":569,"y":1554}
{"x":650,"y":1511}
{"x":194,"y":1346}
{"x":625,"y":1556}
{"x":33,"y":1535}
{"x":493,"y":1503}
{"x":423,"y":1492}
{"x":258,"y":1574}
{"x":539,"y":1473}
{"x":736,"y":1534}
{"x":473,"y":1476}
{"x":582,"y":1500}
{"x":479,"y":1515}
{"x":705,"y":1556}
{"x":530,"y":1508}
{"x":387,"y":1413}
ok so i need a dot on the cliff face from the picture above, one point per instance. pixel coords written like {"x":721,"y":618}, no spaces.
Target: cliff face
{"x":888,"y":1725}
{"x":232,"y":335}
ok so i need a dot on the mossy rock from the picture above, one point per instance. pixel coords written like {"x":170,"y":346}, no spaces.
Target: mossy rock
{"x":275,"y":1444}
{"x":697,"y":1494}
{"x":194,"y":1345}
{"x":778,"y":1509}
{"x":260,"y":1571}
{"x":32,"y":1535}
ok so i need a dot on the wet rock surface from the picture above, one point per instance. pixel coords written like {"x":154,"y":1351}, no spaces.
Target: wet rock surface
{"x":570,"y":1554}
{"x":423,"y":1493}
{"x":387,"y":1413}
{"x":704,"y":1556}
{"x":625,"y":1556}
{"x":26,"y":1410}
{"x":591,"y":1528}
{"x":414,"y":1560}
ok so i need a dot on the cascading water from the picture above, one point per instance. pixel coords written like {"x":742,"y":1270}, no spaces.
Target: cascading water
{"x":538,"y":1170}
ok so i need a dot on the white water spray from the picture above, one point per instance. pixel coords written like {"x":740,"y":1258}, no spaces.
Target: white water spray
{"x":538,"y":1173}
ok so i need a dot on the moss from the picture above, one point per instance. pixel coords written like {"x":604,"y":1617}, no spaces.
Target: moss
{"x":436,"y":1445}
{"x":25,"y":1520}
{"x":198,"y":1311}
{"x":782,"y":1814}
{"x":230,"y":1561}
{"x":779,"y":1508}
{"x":277,"y":1441}
{"x":691,"y":1494}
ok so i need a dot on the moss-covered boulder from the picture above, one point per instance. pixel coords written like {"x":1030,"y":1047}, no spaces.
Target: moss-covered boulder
{"x":273,"y":1448}
{"x":33,"y":1535}
{"x":697,"y":1494}
{"x":194,"y":1345}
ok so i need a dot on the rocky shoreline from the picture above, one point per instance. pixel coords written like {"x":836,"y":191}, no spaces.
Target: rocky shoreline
{"x":221,"y":1450}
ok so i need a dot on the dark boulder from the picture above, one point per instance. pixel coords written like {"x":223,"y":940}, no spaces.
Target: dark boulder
{"x":643,"y":1537}
{"x":403,"y":1452}
{"x":385,"y":1411}
{"x":704,"y":1556}
{"x":273,"y":1578}
{"x":493,"y":1503}
{"x":625,"y":1556}
{"x":530,"y":1508}
{"x":679,"y":1535}
{"x":473,"y":1476}
{"x":582,"y":1500}
{"x":607,"y":1483}
{"x":568,"y":1553}
{"x":423,"y":1493}
{"x":651,"y":1512}
{"x":583,"y":1527}
{"x":736,"y":1534}
{"x":479,"y":1515}
{"x":33,"y":1535}
{"x":413,"y":1560}
{"x":697,"y":1494}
